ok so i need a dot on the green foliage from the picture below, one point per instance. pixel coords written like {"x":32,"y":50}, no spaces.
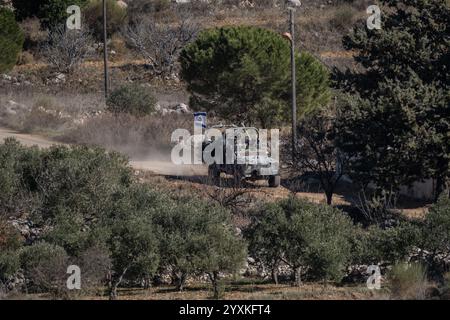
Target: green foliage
{"x":132,"y":99}
{"x":134,"y":246}
{"x":18,"y":167}
{"x":80,"y":180}
{"x":243,"y":73}
{"x":436,"y":231}
{"x":183,"y":235}
{"x":390,"y":139}
{"x":10,"y":241}
{"x":309,"y":237}
{"x":9,"y":264}
{"x":223,"y":251}
{"x":50,"y":12}
{"x":395,"y":126}
{"x":267,"y":239}
{"x":10,"y":238}
{"x":11,"y":40}
{"x":312,"y":84}
{"x":93,"y":15}
{"x":390,"y":245}
{"x":45,"y":266}
{"x":317,"y":151}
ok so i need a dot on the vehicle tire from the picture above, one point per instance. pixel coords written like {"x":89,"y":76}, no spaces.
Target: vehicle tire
{"x":274,"y":181}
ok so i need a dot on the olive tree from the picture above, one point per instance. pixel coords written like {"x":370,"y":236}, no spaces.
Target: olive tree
{"x":308,"y":237}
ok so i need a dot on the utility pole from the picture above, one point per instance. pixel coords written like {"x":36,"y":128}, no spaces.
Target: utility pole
{"x":294,"y":90}
{"x":105,"y":50}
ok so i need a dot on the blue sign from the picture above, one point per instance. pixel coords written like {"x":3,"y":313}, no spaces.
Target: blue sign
{"x":200,"y":120}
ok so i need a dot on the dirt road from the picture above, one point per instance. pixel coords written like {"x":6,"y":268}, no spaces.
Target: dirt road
{"x":161,"y":167}
{"x":25,"y":139}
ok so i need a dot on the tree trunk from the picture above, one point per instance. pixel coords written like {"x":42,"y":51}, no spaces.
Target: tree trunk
{"x":114,"y":284}
{"x":329,"y":195}
{"x":442,"y":184}
{"x":147,"y":283}
{"x":275,"y":274}
{"x":214,"y":277}
{"x":181,"y":281}
{"x":298,"y":276}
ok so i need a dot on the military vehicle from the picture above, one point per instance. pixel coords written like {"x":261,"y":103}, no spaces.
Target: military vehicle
{"x":249,"y":164}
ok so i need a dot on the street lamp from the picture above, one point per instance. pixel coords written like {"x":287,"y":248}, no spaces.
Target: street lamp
{"x":105,"y":50}
{"x":291,"y":5}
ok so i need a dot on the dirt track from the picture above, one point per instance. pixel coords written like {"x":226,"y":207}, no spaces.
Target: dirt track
{"x":25,"y":139}
{"x":159,"y":167}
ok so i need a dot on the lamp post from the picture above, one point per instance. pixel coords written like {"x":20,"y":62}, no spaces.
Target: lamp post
{"x":105,"y":50}
{"x":292,"y":4}
{"x":294,"y":80}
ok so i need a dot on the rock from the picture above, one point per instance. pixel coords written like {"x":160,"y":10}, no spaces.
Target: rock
{"x":60,"y":77}
{"x":27,"y":229}
{"x":122,"y":4}
{"x":182,"y":108}
{"x":13,"y":108}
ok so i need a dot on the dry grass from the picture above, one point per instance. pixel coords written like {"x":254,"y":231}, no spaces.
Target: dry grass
{"x":408,"y":282}
{"x":245,"y":291}
{"x":136,"y":137}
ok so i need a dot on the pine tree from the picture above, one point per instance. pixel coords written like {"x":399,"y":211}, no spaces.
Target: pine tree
{"x":395,"y":122}
{"x":11,"y":40}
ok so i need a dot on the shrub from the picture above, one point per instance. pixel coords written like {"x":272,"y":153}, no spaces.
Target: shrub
{"x":385,"y":246}
{"x":64,"y":180}
{"x":18,"y":166}
{"x":134,"y":249}
{"x":93,"y":17}
{"x":343,"y":17}
{"x":11,"y":40}
{"x":45,"y":267}
{"x":160,"y":42}
{"x":34,"y":35}
{"x":67,"y":49}
{"x":10,"y":238}
{"x":10,"y":241}
{"x":134,"y":238}
{"x":408,"y":281}
{"x":9,"y":264}
{"x":183,"y":238}
{"x":95,"y":262}
{"x":308,"y":237}
{"x":223,"y":251}
{"x":26,"y":57}
{"x":241,"y":73}
{"x":69,"y":232}
{"x":132,"y":99}
{"x":81,"y":181}
{"x":436,"y":232}
{"x":267,"y":239}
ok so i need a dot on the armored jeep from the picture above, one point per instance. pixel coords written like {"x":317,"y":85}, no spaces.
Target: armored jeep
{"x":248,"y":161}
